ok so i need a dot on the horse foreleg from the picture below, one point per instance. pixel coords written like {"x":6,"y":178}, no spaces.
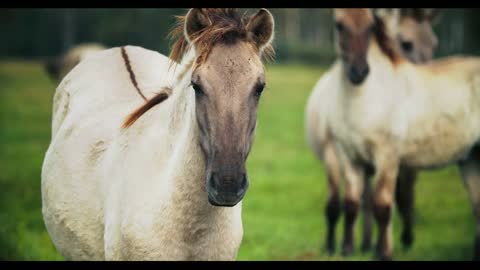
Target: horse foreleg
{"x":385,"y":176}
{"x":354,"y":176}
{"x":367,"y":210}
{"x":333,"y":208}
{"x":470,"y":170}
{"x":404,"y":197}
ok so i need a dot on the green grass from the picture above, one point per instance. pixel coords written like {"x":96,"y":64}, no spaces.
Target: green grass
{"x":283,"y":210}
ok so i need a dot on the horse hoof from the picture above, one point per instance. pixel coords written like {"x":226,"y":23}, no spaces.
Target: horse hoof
{"x":384,"y":257}
{"x":330,"y":248}
{"x":366,"y":247}
{"x":347,"y":250}
{"x":407,"y":240}
{"x":476,"y":254}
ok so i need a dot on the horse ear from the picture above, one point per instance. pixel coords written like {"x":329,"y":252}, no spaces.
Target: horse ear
{"x":337,"y":11}
{"x":433,"y":15}
{"x":260,"y":28}
{"x":389,"y":16}
{"x":195,"y":21}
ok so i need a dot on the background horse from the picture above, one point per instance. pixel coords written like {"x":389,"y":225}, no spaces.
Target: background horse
{"x":422,"y":44}
{"x":390,"y":113}
{"x":59,"y":66}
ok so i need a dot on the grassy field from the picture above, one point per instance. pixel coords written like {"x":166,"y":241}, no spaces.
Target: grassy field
{"x":283,"y":210}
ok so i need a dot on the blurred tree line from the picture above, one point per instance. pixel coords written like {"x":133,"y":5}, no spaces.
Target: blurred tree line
{"x":304,"y":35}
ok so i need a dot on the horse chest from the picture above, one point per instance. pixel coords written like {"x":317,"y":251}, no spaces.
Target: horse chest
{"x":357,"y":130}
{"x":187,"y":241}
{"x":178,"y":227}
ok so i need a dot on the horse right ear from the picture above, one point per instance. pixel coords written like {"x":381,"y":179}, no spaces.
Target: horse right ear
{"x":195,"y":21}
{"x":433,"y":15}
{"x":387,"y":14}
{"x":260,"y":27}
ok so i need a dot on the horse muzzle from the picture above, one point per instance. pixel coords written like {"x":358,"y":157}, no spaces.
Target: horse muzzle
{"x":226,"y":191}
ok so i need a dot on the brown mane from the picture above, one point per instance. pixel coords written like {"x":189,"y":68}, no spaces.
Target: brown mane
{"x":227,"y":27}
{"x":418,"y":14}
{"x":386,"y":44}
{"x":158,"y":98}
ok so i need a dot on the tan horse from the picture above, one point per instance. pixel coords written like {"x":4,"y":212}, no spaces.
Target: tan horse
{"x":58,"y":67}
{"x":147,"y":162}
{"x":417,"y":43}
{"x":322,"y":143}
{"x":390,"y":113}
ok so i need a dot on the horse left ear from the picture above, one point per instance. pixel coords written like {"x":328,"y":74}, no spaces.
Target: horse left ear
{"x":195,"y":21}
{"x":260,"y":28}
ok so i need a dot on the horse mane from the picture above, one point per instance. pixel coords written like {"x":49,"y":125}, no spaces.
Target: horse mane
{"x":386,"y":44}
{"x":418,"y":14}
{"x":158,"y":98}
{"x":227,"y":27}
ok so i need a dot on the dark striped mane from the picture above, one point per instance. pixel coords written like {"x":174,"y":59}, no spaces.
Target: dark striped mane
{"x":387,"y":45}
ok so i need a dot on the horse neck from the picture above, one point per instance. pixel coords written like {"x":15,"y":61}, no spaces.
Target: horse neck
{"x":378,"y":57}
{"x":183,"y":92}
{"x":187,"y":152}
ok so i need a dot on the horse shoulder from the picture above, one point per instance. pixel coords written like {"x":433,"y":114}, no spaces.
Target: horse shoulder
{"x":319,"y":104}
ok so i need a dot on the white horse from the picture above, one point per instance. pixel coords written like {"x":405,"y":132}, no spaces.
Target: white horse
{"x":149,"y":185}
{"x":412,"y":29}
{"x":390,"y":113}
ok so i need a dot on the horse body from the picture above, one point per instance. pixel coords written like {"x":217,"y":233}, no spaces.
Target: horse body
{"x":166,"y":181}
{"x":91,"y":162}
{"x":431,"y":122}
{"x":444,"y":123}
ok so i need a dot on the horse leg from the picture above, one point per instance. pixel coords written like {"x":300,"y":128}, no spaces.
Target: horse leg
{"x":332,"y":210}
{"x":385,"y":180}
{"x":367,"y":210}
{"x":354,"y":176}
{"x":404,"y":196}
{"x":470,"y":170}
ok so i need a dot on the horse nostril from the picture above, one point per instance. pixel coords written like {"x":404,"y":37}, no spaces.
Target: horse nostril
{"x":213,"y":181}
{"x":244,"y":180}
{"x":365,"y":71}
{"x":358,"y":73}
{"x":243,"y":185}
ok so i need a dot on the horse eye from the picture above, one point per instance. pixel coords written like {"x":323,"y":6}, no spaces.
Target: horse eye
{"x":407,"y":46}
{"x":339,"y":26}
{"x":371,"y":29}
{"x":198,"y":90}
{"x":259,"y":89}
